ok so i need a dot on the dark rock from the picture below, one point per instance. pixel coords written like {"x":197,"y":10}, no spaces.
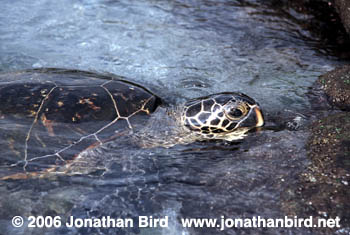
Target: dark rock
{"x":336,"y":85}
{"x":343,"y":8}
{"x":323,"y":189}
{"x":322,"y":20}
{"x":329,"y":148}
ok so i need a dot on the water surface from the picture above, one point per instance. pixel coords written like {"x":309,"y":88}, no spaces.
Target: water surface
{"x":179,"y":50}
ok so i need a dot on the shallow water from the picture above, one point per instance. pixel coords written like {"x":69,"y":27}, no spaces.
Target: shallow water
{"x":179,"y":50}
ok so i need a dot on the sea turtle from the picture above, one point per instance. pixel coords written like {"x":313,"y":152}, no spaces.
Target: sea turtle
{"x":50,"y":117}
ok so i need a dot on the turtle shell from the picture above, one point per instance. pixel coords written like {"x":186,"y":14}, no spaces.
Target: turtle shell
{"x":49,"y":116}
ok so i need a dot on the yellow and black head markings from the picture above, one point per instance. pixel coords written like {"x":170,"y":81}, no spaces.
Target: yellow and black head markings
{"x":50,"y":117}
{"x":218,"y":115}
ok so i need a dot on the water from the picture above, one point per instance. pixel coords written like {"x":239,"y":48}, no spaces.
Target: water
{"x":179,"y":50}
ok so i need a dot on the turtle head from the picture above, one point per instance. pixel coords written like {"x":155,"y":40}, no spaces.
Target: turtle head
{"x":222,"y":116}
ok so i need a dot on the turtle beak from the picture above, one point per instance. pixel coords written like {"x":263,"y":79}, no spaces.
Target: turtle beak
{"x":258,"y":116}
{"x":254,"y":119}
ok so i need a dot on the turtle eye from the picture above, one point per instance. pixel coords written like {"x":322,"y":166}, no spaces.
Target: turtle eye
{"x":235,"y":113}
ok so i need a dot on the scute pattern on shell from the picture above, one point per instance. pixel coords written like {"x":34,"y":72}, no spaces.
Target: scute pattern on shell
{"x":49,"y":116}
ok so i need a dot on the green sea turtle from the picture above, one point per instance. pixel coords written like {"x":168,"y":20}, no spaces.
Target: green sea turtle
{"x":49,"y":118}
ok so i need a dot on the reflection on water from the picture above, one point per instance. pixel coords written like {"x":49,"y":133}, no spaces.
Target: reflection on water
{"x":178,"y":49}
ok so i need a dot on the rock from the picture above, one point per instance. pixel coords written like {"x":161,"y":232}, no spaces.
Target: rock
{"x":329,"y":150}
{"x":343,"y":8}
{"x":336,"y":85}
{"x":323,"y":189}
{"x":321,"y":19}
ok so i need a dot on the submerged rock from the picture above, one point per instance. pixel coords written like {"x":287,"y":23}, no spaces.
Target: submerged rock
{"x":343,"y":8}
{"x":336,"y":84}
